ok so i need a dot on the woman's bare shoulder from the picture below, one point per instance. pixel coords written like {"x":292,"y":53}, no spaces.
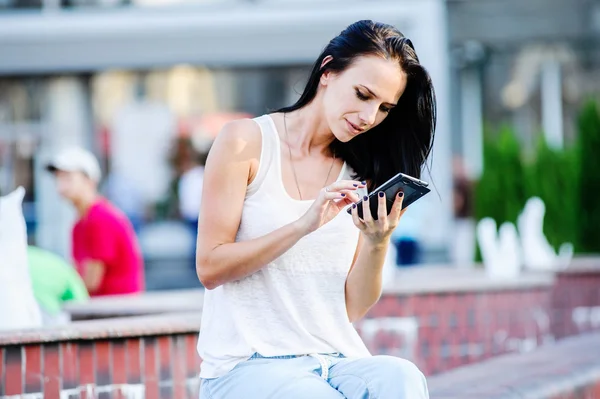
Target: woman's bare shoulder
{"x":240,"y":138}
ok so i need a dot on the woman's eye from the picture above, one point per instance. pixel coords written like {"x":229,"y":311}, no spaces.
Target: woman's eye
{"x":361,"y":96}
{"x":386,"y":110}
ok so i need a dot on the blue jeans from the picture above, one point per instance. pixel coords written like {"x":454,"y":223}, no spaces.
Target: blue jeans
{"x":319,"y":377}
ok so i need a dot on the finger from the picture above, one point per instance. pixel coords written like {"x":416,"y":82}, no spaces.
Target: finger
{"x":333,"y":195}
{"x":342,"y":202}
{"x":357,"y":222}
{"x":345,"y":185}
{"x":351,"y":195}
{"x":381,"y":207}
{"x":403,"y":211}
{"x":367,"y":217}
{"x":397,"y":208}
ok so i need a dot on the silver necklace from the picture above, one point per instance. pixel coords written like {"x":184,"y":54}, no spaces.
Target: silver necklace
{"x":292,"y":161}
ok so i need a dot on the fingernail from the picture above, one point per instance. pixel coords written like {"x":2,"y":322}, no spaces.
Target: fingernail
{"x":355,"y":185}
{"x":353,"y":205}
{"x":363,"y":182}
{"x":381,"y":194}
{"x":365,"y":198}
{"x":400,"y":194}
{"x":343,"y":195}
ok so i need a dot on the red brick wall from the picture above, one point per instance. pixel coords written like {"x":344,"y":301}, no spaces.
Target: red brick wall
{"x":166,"y":366}
{"x":437,"y":331}
{"x":457,"y":329}
{"x":454,"y":329}
{"x":576,"y":303}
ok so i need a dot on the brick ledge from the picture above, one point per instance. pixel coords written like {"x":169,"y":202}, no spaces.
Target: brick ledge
{"x":438,"y":279}
{"x":150,"y":302}
{"x":551,"y":371}
{"x":123,"y":327}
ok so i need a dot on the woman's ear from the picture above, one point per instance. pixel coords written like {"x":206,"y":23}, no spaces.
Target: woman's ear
{"x":327,"y":73}
{"x":326,"y":60}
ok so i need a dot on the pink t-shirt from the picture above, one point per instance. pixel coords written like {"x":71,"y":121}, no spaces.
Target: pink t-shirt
{"x":106,"y":235}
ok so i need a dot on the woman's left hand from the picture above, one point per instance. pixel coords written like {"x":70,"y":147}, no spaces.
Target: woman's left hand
{"x":378,"y":231}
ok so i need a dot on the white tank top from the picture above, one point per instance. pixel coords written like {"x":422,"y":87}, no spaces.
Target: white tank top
{"x":294,"y":305}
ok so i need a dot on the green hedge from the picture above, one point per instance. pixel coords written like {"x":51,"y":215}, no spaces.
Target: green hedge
{"x":500,"y":192}
{"x":568,"y":181}
{"x":589,"y":189}
{"x":553,"y":176}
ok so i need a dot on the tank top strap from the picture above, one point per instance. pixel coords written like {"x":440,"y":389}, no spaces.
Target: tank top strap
{"x":268,"y":167}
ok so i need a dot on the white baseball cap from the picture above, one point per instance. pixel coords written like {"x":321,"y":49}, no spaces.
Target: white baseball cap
{"x":76,"y":159}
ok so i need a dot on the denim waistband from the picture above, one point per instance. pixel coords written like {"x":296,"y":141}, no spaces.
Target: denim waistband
{"x":259,"y":356}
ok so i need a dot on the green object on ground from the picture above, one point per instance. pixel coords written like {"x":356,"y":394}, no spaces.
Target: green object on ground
{"x":54,"y":280}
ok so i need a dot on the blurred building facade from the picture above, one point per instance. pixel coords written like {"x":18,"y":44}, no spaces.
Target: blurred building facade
{"x":123,"y":77}
{"x":529,"y":64}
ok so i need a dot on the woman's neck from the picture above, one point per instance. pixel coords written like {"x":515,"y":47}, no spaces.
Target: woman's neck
{"x":307,"y":130}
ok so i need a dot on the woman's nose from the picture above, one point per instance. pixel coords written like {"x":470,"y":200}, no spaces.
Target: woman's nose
{"x":367,"y":117}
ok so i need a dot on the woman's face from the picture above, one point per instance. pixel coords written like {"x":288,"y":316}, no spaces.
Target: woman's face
{"x":361,"y":96}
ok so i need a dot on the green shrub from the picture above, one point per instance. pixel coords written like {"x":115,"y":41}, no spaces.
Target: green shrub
{"x":589,"y":171}
{"x":500,"y":192}
{"x":552,"y":176}
{"x":568,"y":181}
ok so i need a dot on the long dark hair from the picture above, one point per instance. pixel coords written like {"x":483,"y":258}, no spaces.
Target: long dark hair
{"x":403,"y":141}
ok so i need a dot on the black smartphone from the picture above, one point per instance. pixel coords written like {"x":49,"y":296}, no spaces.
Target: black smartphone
{"x":413,"y":189}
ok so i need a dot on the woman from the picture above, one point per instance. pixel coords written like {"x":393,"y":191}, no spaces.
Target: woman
{"x":286,"y":270}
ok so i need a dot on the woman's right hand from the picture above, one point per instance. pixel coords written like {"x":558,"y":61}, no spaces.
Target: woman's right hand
{"x":331,"y":200}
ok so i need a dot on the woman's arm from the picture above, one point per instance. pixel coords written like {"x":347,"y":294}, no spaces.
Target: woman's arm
{"x":232,"y":160}
{"x":363,"y":285}
{"x":227,"y":173}
{"x":364,"y":282}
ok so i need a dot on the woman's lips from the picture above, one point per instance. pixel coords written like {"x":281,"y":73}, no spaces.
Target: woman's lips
{"x":353,"y":128}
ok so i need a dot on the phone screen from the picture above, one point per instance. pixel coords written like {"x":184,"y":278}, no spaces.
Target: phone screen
{"x":412,"y":192}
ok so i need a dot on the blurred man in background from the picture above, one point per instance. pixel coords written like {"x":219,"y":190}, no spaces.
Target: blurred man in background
{"x":105,"y":248}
